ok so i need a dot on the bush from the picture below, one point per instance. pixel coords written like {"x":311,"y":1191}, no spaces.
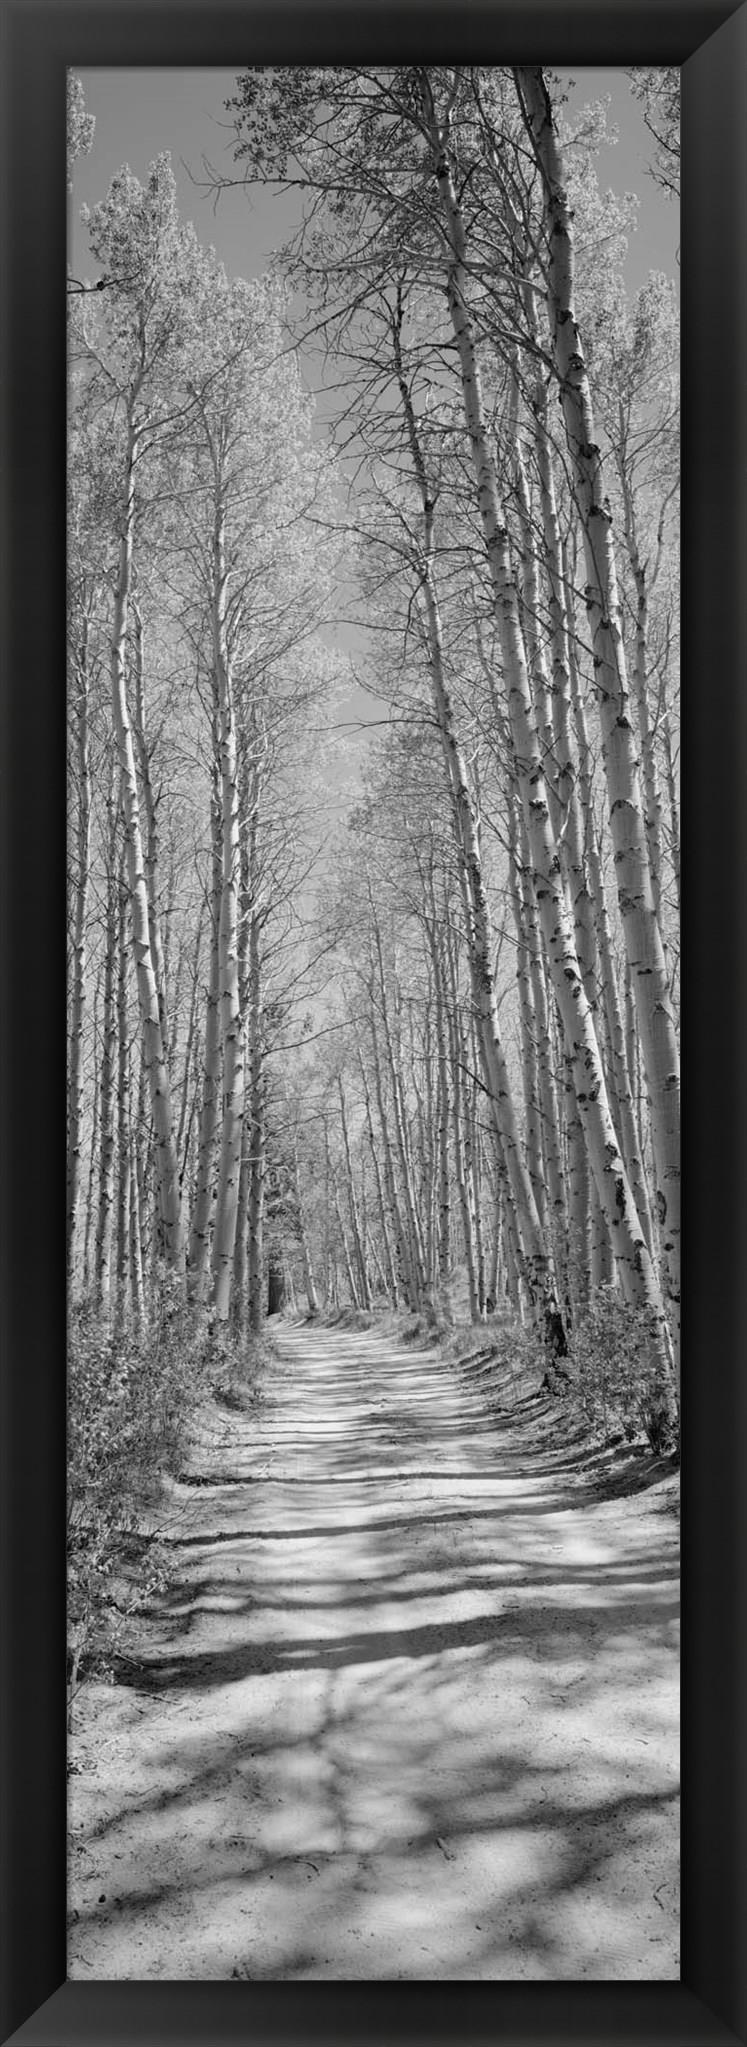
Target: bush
{"x":234,"y":1364}
{"x":616,"y":1376}
{"x":130,"y":1400}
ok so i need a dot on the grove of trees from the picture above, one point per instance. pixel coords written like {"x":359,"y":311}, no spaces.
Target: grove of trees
{"x":425,"y":1056}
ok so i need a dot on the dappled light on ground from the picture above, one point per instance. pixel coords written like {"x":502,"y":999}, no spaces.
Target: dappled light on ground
{"x":409,"y":1709}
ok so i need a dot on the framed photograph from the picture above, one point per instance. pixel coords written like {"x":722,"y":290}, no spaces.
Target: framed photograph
{"x":241,"y":587}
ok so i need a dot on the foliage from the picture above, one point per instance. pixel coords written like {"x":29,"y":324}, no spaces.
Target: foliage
{"x":657,"y":87}
{"x":617,"y":1381}
{"x":130,"y":1399}
{"x":80,"y":126}
{"x":233,"y":1365}
{"x":238,"y":509}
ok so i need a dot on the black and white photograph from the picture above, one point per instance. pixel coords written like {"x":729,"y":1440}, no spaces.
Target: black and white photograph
{"x":373,"y":1000}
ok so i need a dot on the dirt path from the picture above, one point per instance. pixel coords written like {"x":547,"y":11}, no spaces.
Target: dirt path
{"x":412,"y":1711}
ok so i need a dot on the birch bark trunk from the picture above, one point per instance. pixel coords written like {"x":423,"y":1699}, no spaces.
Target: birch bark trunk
{"x":151,"y":843}
{"x":136,"y":1253}
{"x":123,"y":1108}
{"x":411,"y":1217}
{"x":390,"y":1276}
{"x":104,"y":1230}
{"x":620,"y":1080}
{"x":443,"y":1194}
{"x":258,"y":1137}
{"x":365,"y":1291}
{"x":88,"y":1236}
{"x":308,"y":1270}
{"x":78,"y":991}
{"x":403,"y":1247}
{"x":652,"y":792}
{"x":639,"y":1278}
{"x":640,"y":925}
{"x":199,"y":1243}
{"x":464,"y":1188}
{"x":167,"y":1165}
{"x":232,"y":1035}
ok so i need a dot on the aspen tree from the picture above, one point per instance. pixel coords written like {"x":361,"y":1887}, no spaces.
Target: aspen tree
{"x":186,"y":1107}
{"x":470,"y":1083}
{"x":144,"y":1156}
{"x":135,"y":234}
{"x":674,"y":813}
{"x":153,"y":1044}
{"x":241,"y":1245}
{"x":464,"y":1186}
{"x":602,"y":1259}
{"x":351,"y":1279}
{"x":150,"y":807}
{"x":93,"y":1155}
{"x":443,"y":1186}
{"x":496,"y":1246}
{"x":579,"y":1192}
{"x":227,"y":1195}
{"x":390,"y":1275}
{"x":257,"y":1130}
{"x":550,"y":1147}
{"x":640,"y":926}
{"x":444,"y":1094}
{"x":199,"y":1245}
{"x":123,"y":1104}
{"x":639,"y":405}
{"x":411,"y":1218}
{"x":136,"y":1250}
{"x":365,"y":1292}
{"x":308,"y":1270}
{"x":571,"y":835}
{"x":427,"y":1129}
{"x":619,"y":1078}
{"x":528,"y":1030}
{"x":240,"y":1271}
{"x":78,"y":990}
{"x":404,"y":1249}
{"x":478,"y":916}
{"x":105,"y":1224}
{"x":639,"y":1278}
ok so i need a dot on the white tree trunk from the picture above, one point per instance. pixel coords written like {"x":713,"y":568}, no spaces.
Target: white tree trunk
{"x":78,"y":991}
{"x":167,"y":1165}
{"x":105,"y":1226}
{"x":151,"y":845}
{"x":353,"y":1203}
{"x":199,"y":1242}
{"x":308,"y":1269}
{"x":639,"y":1279}
{"x":229,"y":1168}
{"x":640,"y":925}
{"x":258,"y":1140}
{"x":123,"y":1112}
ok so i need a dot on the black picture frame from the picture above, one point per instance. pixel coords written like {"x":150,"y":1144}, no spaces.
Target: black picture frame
{"x":709,"y":38}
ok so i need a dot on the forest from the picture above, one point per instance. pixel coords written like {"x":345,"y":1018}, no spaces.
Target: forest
{"x":373,"y":791}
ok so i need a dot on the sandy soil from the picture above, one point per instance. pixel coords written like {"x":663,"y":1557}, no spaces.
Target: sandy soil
{"x":410,"y":1709}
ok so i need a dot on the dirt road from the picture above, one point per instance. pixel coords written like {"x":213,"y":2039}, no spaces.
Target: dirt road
{"x":410,"y":1710}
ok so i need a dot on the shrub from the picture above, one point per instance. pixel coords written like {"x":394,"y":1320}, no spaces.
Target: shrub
{"x":130,"y":1400}
{"x":617,"y":1377}
{"x":233,"y":1366}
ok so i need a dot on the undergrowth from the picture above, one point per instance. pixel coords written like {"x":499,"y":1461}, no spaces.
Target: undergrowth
{"x":132,"y":1400}
{"x":616,"y":1379}
{"x":611,"y":1378}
